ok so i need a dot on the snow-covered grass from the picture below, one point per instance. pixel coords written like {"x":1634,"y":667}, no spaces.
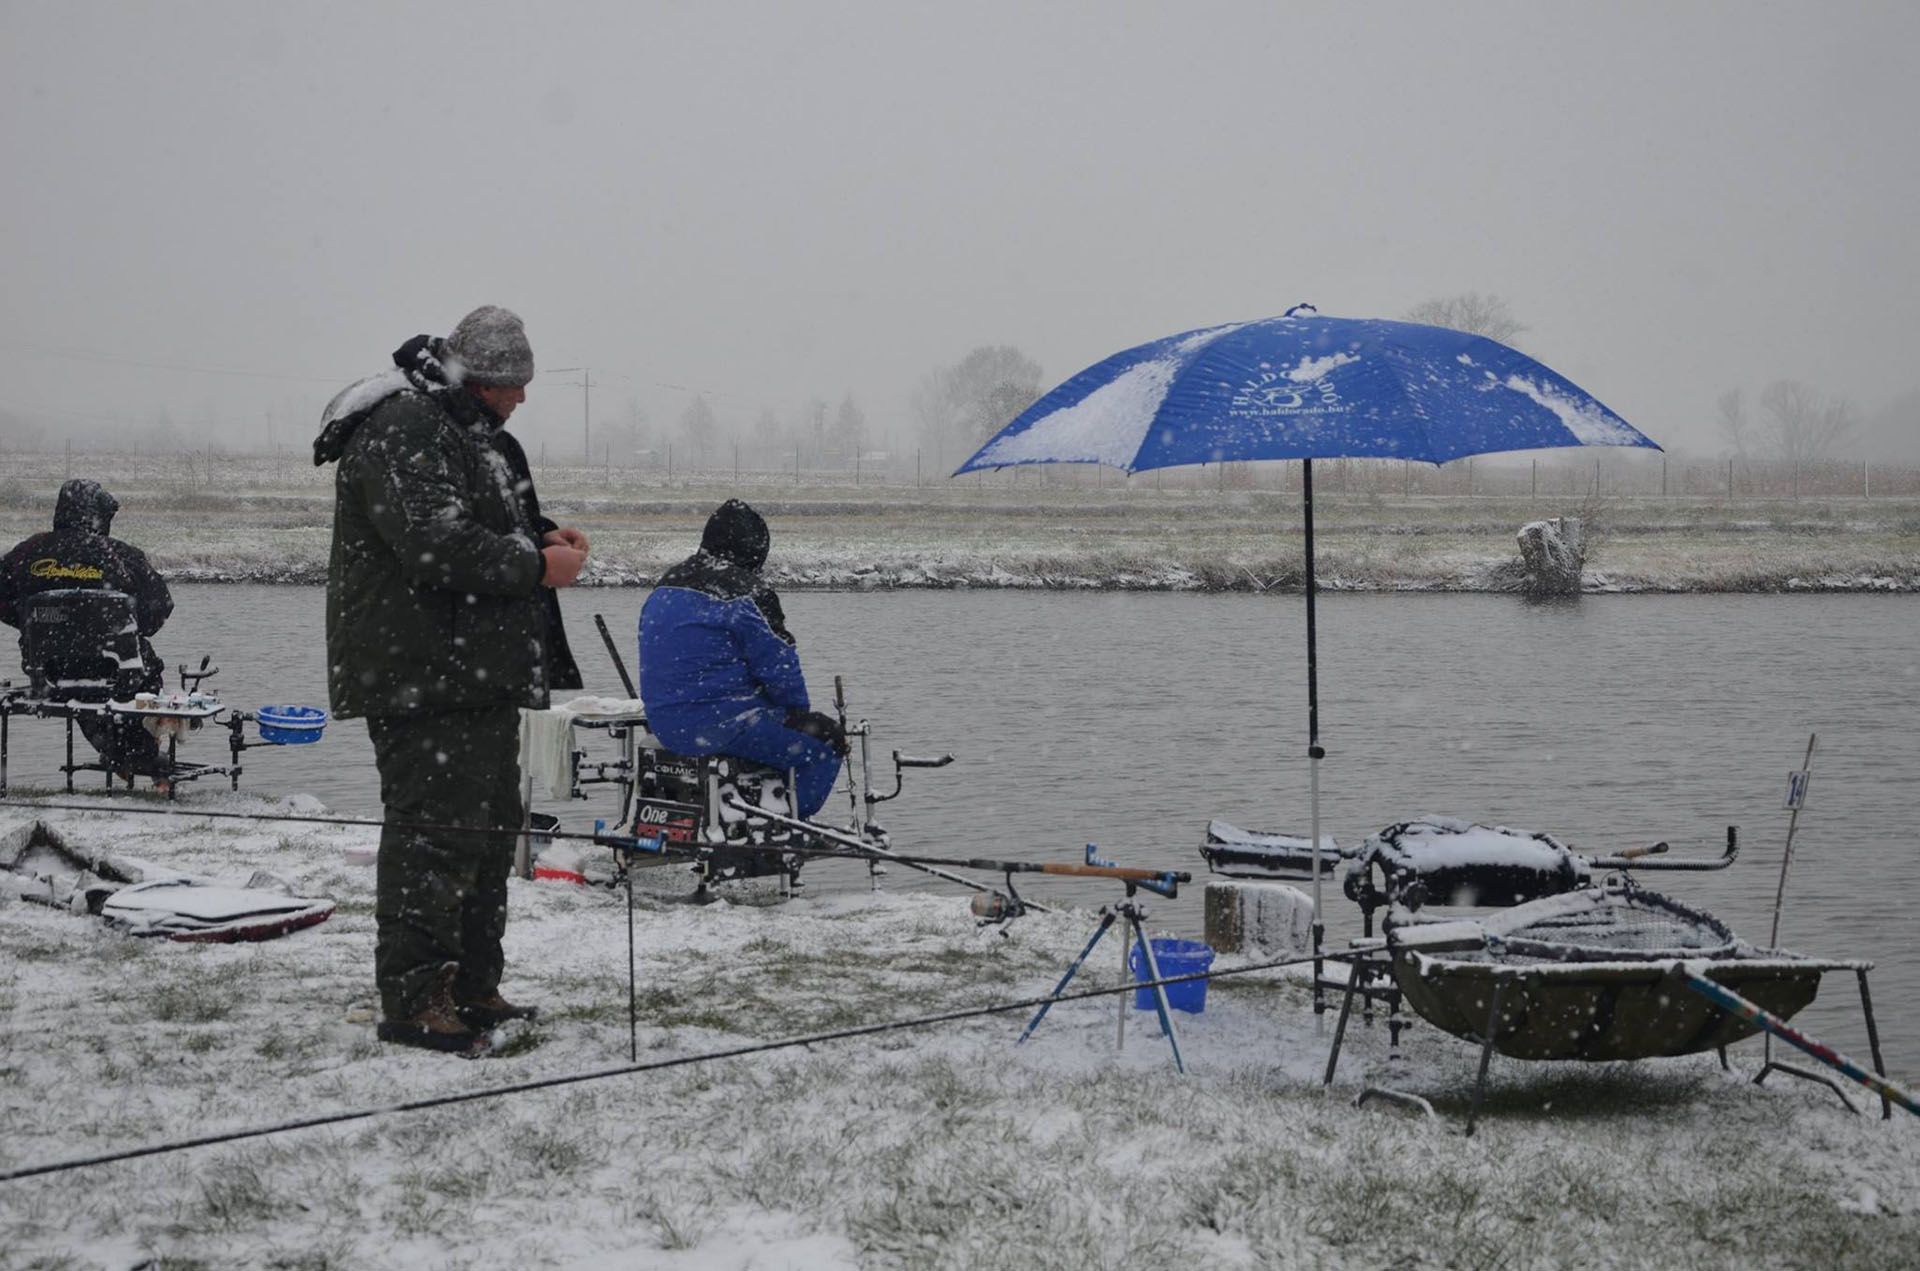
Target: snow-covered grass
{"x":941,"y":1147}
{"x":263,"y":520}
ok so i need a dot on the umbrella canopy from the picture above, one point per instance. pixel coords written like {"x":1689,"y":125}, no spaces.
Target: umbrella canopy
{"x":1306,"y":387}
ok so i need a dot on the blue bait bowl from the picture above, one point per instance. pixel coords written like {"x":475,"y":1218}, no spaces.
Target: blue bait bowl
{"x":291,"y":725}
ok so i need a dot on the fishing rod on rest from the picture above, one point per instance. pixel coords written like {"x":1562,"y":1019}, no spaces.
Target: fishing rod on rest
{"x":1165,"y":882}
{"x":653,"y":846}
{"x":873,"y":852}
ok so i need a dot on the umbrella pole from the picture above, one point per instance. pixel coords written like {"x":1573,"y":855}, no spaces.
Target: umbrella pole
{"x":1314,"y":753}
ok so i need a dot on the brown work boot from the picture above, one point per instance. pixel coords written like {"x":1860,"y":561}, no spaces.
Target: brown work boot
{"x":492,"y":1011}
{"x":439,"y":1025}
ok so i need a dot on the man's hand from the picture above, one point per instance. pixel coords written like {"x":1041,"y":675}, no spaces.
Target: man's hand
{"x":566,"y":536}
{"x":563,"y":565}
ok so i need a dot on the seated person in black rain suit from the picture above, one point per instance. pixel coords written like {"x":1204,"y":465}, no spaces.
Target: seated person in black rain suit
{"x":79,"y":553}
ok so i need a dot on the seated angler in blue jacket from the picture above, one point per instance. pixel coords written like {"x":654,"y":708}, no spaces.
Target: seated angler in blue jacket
{"x":718,"y":671}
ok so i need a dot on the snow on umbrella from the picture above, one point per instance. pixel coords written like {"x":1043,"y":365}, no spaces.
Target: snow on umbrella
{"x":1302,"y":386}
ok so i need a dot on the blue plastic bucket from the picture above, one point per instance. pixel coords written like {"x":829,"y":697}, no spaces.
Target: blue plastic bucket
{"x":1176,"y":957}
{"x":290,"y":725}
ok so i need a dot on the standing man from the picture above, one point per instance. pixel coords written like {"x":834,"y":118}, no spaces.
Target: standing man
{"x":442,"y":623}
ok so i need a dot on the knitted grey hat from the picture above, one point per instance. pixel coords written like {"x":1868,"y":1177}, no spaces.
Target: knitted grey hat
{"x":491,"y":346}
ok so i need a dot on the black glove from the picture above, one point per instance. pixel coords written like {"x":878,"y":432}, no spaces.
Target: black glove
{"x":821,"y":728}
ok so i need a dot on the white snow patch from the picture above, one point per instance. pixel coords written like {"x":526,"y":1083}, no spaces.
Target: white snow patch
{"x":1592,"y":426}
{"x":364,"y":394}
{"x":1313,"y":368}
{"x":1106,"y":426}
{"x":1200,"y":339}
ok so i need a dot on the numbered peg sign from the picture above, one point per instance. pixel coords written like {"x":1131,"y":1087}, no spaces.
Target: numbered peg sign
{"x":1797,"y":789}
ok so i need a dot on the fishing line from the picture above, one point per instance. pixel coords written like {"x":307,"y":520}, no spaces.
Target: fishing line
{"x":548,"y":1083}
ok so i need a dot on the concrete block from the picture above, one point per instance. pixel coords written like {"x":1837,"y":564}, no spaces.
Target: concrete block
{"x":1247,"y":916}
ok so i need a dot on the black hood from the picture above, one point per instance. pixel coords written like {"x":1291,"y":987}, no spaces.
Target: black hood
{"x":737,"y":534}
{"x":417,"y":365}
{"x":84,"y":505}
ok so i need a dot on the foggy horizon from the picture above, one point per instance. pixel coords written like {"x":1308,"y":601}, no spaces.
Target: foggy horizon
{"x":219,"y":215}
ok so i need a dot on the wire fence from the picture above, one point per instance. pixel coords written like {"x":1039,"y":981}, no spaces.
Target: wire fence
{"x":26,"y":477}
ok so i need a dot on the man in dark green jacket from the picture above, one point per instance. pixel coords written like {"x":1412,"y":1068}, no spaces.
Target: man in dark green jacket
{"x":442,"y":624}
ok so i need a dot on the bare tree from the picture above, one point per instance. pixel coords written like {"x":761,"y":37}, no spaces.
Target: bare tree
{"x":988,"y":387}
{"x":1470,"y":312}
{"x":700,"y":429}
{"x":934,"y":408}
{"x":766,"y":436}
{"x":849,"y":427}
{"x":1731,"y":420}
{"x":1802,"y":426}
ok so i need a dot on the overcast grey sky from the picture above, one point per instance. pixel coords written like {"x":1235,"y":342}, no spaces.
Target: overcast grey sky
{"x":778,"y":201}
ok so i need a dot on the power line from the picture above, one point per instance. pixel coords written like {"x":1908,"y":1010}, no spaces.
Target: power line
{"x":77,"y":355}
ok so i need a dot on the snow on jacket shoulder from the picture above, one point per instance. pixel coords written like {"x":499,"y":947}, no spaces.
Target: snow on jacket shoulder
{"x":709,"y":657}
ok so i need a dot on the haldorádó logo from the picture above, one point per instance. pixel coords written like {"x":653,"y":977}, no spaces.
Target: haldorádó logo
{"x":1303,"y":389}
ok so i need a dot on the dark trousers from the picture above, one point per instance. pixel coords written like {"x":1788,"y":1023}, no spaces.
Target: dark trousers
{"x":768,"y":740}
{"x":125,"y":744}
{"x":442,"y":895}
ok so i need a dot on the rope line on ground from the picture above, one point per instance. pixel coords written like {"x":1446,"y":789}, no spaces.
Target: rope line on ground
{"x":657,"y":1065}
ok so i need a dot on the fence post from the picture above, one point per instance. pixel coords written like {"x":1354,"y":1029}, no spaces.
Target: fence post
{"x":1729,"y":479}
{"x":1866,"y":479}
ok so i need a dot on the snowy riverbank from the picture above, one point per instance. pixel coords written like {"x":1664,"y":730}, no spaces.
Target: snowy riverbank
{"x":256,"y":520}
{"x":935,"y":1147}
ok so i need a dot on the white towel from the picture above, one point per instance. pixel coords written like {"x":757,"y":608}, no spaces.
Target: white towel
{"x":546,"y":740}
{"x":546,"y":751}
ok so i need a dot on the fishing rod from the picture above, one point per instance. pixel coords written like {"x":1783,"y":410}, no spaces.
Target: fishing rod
{"x":1163,"y":881}
{"x":656,"y":845}
{"x":655,"y":1065}
{"x":873,"y":851}
{"x":1693,"y":975}
{"x":613,"y":651}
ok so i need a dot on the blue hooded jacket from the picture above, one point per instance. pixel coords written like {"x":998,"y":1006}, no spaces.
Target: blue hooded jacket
{"x":715,"y":654}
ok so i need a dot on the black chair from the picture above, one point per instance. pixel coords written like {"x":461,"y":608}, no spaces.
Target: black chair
{"x":82,"y":645}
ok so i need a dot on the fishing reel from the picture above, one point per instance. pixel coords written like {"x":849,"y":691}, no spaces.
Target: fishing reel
{"x":998,"y":908}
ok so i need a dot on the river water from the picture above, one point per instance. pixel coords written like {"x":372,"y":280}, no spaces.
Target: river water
{"x":1128,"y":720}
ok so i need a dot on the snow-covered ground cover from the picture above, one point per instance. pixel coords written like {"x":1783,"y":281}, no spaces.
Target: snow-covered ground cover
{"x":261,"y":520}
{"x":937,"y":1147}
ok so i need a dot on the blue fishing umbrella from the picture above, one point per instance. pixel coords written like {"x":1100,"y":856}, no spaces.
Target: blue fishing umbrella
{"x":1306,"y":387}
